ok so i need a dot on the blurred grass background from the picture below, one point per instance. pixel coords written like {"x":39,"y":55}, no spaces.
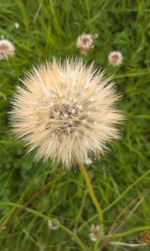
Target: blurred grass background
{"x":32,"y":193}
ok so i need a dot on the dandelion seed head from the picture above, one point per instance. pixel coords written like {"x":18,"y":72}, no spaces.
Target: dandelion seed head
{"x":115,"y":58}
{"x":7,"y":49}
{"x":62,"y":128}
{"x":80,"y":107}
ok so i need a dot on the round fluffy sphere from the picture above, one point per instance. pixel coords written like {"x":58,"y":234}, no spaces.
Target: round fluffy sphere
{"x":65,"y":111}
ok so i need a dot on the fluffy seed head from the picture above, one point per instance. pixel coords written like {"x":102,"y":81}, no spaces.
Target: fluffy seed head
{"x":65,"y":111}
{"x":115,"y":58}
{"x":7,"y":49}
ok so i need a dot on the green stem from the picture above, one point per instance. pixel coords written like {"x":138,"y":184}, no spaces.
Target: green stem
{"x":92,"y":194}
{"x":132,"y":231}
{"x":129,"y":188}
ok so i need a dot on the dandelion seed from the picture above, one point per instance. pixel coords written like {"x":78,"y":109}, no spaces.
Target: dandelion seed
{"x":84,"y":121}
{"x":115,"y":58}
{"x":80,"y":107}
{"x":57,"y":128}
{"x":65,"y":115}
{"x":16,"y":25}
{"x":53,"y":224}
{"x":7,"y":49}
{"x":92,"y":99}
{"x":94,"y":232}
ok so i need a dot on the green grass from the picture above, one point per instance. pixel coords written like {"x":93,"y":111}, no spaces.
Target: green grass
{"x":50,"y":28}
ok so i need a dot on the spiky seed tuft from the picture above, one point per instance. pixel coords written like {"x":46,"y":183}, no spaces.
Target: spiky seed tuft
{"x":65,"y":111}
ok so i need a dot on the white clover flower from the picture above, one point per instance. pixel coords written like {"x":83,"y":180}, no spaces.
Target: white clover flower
{"x":94,"y":232}
{"x":53,"y":224}
{"x":7,"y":49}
{"x":115,"y":58}
{"x":84,"y":43}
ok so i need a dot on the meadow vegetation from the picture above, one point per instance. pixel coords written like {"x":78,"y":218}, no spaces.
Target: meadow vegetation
{"x":32,"y":193}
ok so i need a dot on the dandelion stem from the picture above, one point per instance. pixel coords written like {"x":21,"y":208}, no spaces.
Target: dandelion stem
{"x":92,"y":194}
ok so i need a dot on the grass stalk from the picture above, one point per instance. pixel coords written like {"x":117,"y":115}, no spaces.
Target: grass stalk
{"x":45,"y":217}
